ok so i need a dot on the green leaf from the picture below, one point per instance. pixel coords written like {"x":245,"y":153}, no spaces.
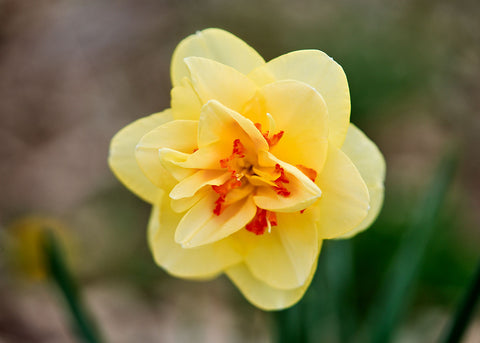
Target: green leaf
{"x":339,"y":279}
{"x":394,"y":294}
{"x":465,"y":311}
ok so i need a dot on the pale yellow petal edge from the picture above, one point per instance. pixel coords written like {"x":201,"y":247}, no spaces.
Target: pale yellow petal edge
{"x":122,"y":160}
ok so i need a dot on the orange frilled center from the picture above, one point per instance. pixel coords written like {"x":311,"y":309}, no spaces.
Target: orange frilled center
{"x":263,"y":220}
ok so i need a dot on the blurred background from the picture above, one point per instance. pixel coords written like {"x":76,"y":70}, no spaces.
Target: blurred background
{"x":72,"y":73}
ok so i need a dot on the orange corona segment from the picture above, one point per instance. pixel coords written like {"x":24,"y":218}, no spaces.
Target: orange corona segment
{"x":309,"y":172}
{"x":274,"y":139}
{"x":280,"y":188}
{"x":263,"y":219}
{"x":234,"y":181}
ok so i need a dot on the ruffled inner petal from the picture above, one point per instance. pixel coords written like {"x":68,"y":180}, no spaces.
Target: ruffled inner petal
{"x":215,"y":81}
{"x":302,"y":192}
{"x":201,"y":225}
{"x":219,"y":123}
{"x":190,"y":185}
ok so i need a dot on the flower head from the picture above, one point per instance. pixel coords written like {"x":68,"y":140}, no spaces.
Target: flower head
{"x":252,"y":167}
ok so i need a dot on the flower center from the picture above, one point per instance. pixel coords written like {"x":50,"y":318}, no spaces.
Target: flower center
{"x":241,"y":170}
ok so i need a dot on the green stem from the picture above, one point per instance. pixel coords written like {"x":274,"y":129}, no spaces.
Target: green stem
{"x":465,"y":311}
{"x":62,"y":277}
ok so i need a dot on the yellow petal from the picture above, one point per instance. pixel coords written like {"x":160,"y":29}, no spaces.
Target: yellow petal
{"x":284,"y":258}
{"x":190,"y":185}
{"x":184,"y":204}
{"x":172,"y":161}
{"x":218,"y":128}
{"x":215,"y":81}
{"x":178,"y":135}
{"x":201,"y":226}
{"x":122,"y":159}
{"x":201,"y":262}
{"x":219,"y":122}
{"x":371,"y":165}
{"x":303,"y":192}
{"x":319,"y":71}
{"x":185,"y":102}
{"x":217,"y":45}
{"x":300,"y":111}
{"x":344,"y":201}
{"x":262,"y":295}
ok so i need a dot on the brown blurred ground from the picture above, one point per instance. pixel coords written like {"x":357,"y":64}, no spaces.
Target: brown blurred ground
{"x":72,"y":73}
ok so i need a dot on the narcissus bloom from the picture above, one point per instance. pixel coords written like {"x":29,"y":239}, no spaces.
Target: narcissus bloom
{"x":252,"y":167}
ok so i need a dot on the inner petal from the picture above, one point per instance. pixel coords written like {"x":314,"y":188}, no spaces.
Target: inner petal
{"x":219,"y":123}
{"x":299,"y":111}
{"x":214,"y":80}
{"x":201,"y":226}
{"x":293,"y":190}
{"x":190,"y":185}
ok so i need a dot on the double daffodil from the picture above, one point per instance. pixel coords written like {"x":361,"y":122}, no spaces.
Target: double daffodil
{"x":252,"y":167}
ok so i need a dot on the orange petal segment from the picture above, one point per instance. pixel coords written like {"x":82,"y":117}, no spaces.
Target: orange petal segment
{"x":263,"y":220}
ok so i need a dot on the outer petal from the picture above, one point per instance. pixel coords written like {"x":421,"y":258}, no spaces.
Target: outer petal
{"x":201,"y":262}
{"x":344,"y":202}
{"x":217,"y":45}
{"x":319,"y":71}
{"x":262,"y":295}
{"x":216,"y":81}
{"x":122,"y":159}
{"x":371,"y":165}
{"x":185,"y":102}
{"x":300,"y":111}
{"x":284,"y":258}
{"x":178,"y":135}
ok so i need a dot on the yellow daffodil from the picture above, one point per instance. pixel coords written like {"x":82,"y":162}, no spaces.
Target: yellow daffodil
{"x":25,"y":244}
{"x":252,"y":167}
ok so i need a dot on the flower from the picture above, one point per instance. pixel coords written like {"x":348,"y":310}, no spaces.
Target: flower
{"x":24,"y":240}
{"x":252,"y":167}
